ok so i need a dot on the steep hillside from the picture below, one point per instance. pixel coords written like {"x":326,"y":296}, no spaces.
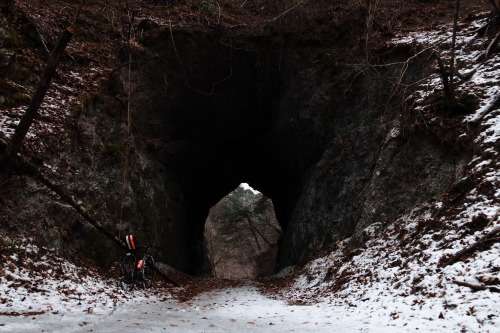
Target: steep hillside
{"x":440,"y":261}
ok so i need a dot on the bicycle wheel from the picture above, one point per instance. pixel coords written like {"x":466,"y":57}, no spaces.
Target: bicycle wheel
{"x":148,"y":273}
{"x":127,"y":273}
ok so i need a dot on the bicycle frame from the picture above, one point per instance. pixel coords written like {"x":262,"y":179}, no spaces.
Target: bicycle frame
{"x":137,"y":268}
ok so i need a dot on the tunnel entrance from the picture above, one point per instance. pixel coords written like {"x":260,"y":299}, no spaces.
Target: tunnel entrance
{"x":313,"y":135}
{"x":212,"y":113}
{"x":219,"y":116}
{"x":241,"y":235}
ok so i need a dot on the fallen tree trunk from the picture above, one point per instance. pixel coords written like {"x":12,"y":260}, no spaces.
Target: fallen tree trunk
{"x":65,"y":196}
{"x":476,"y":287}
{"x":26,"y":314}
{"x":491,"y":48}
{"x":26,"y":167}
{"x":492,"y":106}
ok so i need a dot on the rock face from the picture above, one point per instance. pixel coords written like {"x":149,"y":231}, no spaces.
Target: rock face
{"x":79,"y":141}
{"x":329,"y":144}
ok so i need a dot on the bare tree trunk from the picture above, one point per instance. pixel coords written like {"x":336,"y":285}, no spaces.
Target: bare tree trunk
{"x":36,"y":101}
{"x":489,"y":237}
{"x":445,"y":78}
{"x":453,"y":47}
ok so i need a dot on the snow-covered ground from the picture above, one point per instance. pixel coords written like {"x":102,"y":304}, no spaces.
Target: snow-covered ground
{"x":241,"y":309}
{"x":40,"y":292}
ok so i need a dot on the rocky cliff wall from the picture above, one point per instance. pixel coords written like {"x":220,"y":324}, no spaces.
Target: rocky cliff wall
{"x":330,"y":142}
{"x":311,"y":123}
{"x":377,"y":163}
{"x":80,"y":140}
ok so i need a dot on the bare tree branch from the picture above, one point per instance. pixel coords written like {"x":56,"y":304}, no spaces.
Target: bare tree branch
{"x":489,"y":237}
{"x":496,"y":4}
{"x":476,"y":287}
{"x":453,"y":47}
{"x":32,"y":110}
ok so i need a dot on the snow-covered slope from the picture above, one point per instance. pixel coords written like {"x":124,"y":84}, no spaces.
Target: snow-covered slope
{"x":400,"y":273}
{"x":35,"y":280}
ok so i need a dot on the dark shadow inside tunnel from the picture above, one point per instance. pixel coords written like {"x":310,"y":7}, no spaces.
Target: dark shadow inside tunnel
{"x":212,"y":116}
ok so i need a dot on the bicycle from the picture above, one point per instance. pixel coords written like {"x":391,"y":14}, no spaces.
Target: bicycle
{"x":137,"y":269}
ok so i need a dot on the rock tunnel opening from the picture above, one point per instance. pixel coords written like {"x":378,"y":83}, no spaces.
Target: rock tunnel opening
{"x":322,"y":145}
{"x":241,"y":235}
{"x":211,"y":115}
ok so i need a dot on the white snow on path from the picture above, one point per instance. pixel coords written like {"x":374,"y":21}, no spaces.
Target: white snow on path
{"x":242,"y":309}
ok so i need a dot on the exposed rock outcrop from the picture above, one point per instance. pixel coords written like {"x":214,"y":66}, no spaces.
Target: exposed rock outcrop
{"x":328,"y":143}
{"x":328,"y":139}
